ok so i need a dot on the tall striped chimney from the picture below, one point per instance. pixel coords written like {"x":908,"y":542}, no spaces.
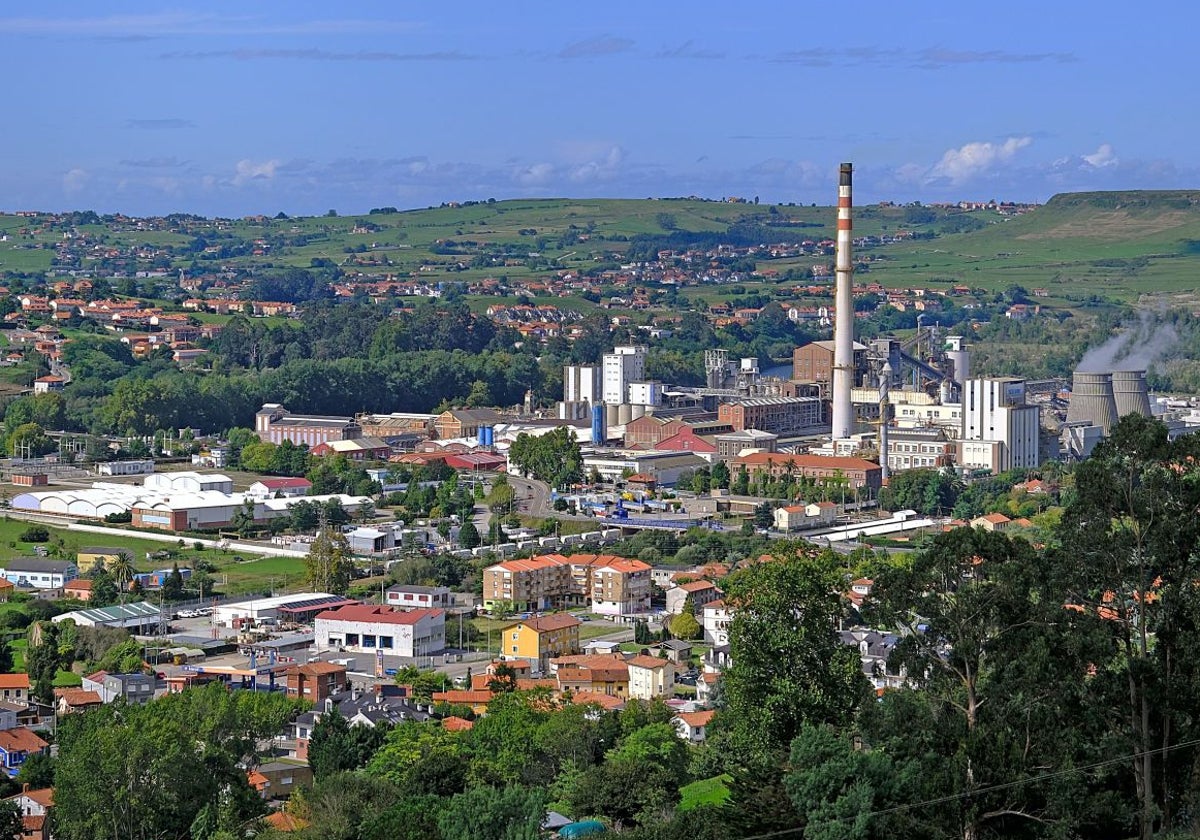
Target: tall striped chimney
{"x":843,"y":325}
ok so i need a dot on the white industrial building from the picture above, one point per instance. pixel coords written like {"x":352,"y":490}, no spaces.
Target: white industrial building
{"x":664,"y":466}
{"x":276,"y":607}
{"x":189,"y":482}
{"x":645,"y":393}
{"x":581,"y":384}
{"x":1000,"y":430}
{"x":622,"y":366}
{"x":368,"y":628}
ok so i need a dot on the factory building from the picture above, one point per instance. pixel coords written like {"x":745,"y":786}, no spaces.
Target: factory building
{"x":621,"y":367}
{"x":1000,"y":429}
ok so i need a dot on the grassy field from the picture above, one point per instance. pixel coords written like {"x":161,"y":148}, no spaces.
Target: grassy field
{"x":712,"y":791}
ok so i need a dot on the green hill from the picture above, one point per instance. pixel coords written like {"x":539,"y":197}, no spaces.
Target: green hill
{"x":1119,"y":244}
{"x":1111,"y":244}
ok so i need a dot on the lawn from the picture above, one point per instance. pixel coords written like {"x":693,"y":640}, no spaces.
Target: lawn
{"x":712,"y":791}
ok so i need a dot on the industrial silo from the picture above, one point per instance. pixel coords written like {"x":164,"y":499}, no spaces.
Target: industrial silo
{"x":1092,"y":401}
{"x":1130,"y":392}
{"x":599,"y":427}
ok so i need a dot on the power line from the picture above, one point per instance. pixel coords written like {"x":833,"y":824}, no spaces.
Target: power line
{"x":941,"y":800}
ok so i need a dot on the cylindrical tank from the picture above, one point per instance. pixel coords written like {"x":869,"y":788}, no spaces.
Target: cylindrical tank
{"x":1130,"y":392}
{"x":624,"y":414}
{"x":1092,"y":401}
{"x":944,"y":392}
{"x":599,"y":428}
{"x":637,"y":411}
{"x":489,"y":436}
{"x":611,"y":415}
{"x":481,"y":435}
{"x":961,"y":359}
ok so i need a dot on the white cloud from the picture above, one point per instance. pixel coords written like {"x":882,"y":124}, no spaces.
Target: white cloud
{"x":975,"y":159}
{"x":248,"y":170}
{"x":74,"y":180}
{"x":1102,"y":157}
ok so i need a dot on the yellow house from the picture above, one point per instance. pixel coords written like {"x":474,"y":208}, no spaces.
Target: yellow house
{"x":540,"y":639}
{"x":90,"y":556}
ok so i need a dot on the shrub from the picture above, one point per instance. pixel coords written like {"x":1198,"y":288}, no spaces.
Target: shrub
{"x":35,"y":534}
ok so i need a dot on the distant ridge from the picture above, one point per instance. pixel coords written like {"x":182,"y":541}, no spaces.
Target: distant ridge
{"x":1128,"y":200}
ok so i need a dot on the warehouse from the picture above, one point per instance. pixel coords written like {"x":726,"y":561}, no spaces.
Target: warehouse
{"x":367,"y":628}
{"x":139,"y":617}
{"x":273,"y":608}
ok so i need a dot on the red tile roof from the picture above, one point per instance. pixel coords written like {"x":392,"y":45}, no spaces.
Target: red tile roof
{"x":21,"y":740}
{"x":377,"y":614}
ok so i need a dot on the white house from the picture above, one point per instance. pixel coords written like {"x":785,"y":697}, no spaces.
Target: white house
{"x":419,"y":597}
{"x":716,"y":618}
{"x":700,"y":591}
{"x":367,"y":628}
{"x":650,"y":677}
{"x":39,"y":572}
{"x":814,"y":515}
{"x":692,"y":726}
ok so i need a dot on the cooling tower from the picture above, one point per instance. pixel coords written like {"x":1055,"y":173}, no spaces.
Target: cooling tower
{"x":1130,"y":393}
{"x":1092,"y":401}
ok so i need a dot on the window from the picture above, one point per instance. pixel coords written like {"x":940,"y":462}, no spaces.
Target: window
{"x":351,"y":639}
{"x":368,"y":641}
{"x":386,"y":642}
{"x":514,"y":635}
{"x":514,"y":648}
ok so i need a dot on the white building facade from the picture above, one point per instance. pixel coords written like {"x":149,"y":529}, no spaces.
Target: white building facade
{"x":1000,"y":430}
{"x":368,"y":628}
{"x":620,"y":367}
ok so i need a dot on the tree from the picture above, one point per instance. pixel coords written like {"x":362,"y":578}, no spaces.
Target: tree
{"x":984,"y":636}
{"x":553,"y":457}
{"x":11,"y":824}
{"x":331,"y":747}
{"x":764,"y":515}
{"x":172,"y":585}
{"x":37,"y":771}
{"x":685,"y":626}
{"x":468,"y":535}
{"x":104,"y":588}
{"x":122,"y":569}
{"x":789,"y":667}
{"x":328,"y":565}
{"x":1127,"y":557}
{"x":486,"y":813}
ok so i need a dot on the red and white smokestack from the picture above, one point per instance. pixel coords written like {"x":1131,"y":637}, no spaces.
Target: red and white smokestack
{"x":843,"y":303}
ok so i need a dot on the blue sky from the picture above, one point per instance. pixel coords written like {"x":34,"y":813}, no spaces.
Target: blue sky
{"x":237,"y":108}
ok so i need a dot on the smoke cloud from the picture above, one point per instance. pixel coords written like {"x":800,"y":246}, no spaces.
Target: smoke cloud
{"x":1134,"y":349}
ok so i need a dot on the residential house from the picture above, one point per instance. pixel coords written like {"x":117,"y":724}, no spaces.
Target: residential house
{"x":813,"y":515}
{"x":315,"y":681}
{"x":132,"y":688}
{"x":277,"y":779}
{"x":650,"y":676}
{"x":605,"y":675}
{"x":418,"y":597}
{"x":874,"y":651}
{"x":700,"y":592}
{"x":6,"y":589}
{"x":692,"y":726}
{"x":716,"y":618}
{"x":79,"y":589}
{"x":608,"y":584}
{"x":991,"y":522}
{"x":539,"y":639}
{"x":90,"y":556}
{"x":16,"y":745}
{"x":39,"y":572}
{"x":14,"y":688}
{"x":70,"y":700}
{"x":34,"y":807}
{"x":677,"y":650}
{"x":48,"y":384}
